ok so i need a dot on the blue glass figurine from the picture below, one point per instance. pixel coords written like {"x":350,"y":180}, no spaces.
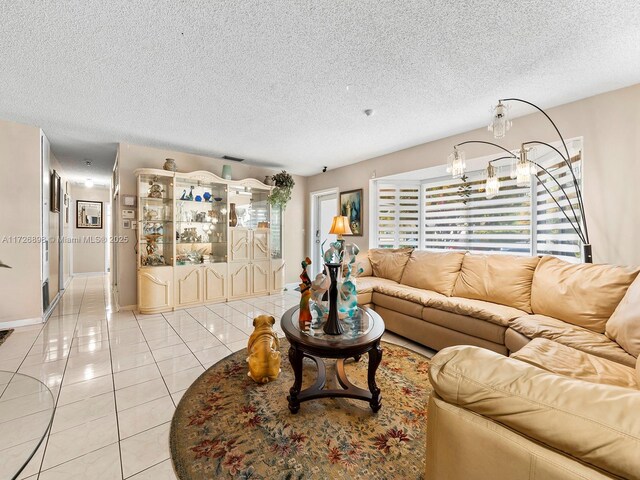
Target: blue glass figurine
{"x":348,"y":292}
{"x":207,"y":196}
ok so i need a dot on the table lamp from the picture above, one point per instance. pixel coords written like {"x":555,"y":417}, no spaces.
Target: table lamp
{"x":340,"y":227}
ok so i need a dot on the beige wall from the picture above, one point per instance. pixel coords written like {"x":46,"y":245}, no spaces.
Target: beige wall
{"x":88,"y":257}
{"x":610,"y":125}
{"x":131,"y":157}
{"x":20,"y":287}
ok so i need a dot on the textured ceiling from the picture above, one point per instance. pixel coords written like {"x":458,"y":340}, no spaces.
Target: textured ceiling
{"x":284,"y":83}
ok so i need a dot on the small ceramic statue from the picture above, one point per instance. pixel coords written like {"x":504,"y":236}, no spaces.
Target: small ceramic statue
{"x":348,"y":292}
{"x":305,"y":290}
{"x":333,"y":254}
{"x":319,"y":286}
{"x":155,"y":189}
{"x":263,"y":348}
{"x":190,"y":196}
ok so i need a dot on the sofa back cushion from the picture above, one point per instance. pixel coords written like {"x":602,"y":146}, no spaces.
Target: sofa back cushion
{"x":624,"y":325}
{"x":362,"y":261}
{"x":503,"y":279}
{"x":389,"y":263}
{"x":581,"y":294}
{"x":435,"y":271}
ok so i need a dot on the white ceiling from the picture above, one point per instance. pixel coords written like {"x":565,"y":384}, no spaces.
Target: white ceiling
{"x":267,"y":80}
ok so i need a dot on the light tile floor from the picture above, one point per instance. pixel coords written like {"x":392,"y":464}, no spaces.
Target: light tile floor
{"x":118,"y":376}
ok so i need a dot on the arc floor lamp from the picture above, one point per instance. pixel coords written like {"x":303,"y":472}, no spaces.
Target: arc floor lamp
{"x":500,"y":124}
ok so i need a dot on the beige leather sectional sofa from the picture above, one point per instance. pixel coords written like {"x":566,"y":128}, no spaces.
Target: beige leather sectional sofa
{"x":564,"y":405}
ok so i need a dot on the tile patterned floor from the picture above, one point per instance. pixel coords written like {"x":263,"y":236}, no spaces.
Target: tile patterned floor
{"x":117,"y":377}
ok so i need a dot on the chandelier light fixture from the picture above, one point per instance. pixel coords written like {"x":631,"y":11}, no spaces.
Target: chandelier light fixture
{"x":456,"y":164}
{"x":492,"y":186}
{"x":500,"y":122}
{"x":523,"y":168}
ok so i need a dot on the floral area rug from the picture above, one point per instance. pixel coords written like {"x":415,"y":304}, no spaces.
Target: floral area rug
{"x":227,"y":426}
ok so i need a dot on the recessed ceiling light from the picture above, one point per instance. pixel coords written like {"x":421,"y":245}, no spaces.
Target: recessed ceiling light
{"x":368,"y":112}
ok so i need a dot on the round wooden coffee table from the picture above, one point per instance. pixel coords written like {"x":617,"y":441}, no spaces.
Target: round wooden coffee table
{"x":362,"y":335}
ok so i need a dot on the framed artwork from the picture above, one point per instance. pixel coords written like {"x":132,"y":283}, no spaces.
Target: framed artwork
{"x":351,"y":207}
{"x":55,"y":187}
{"x":88,"y":214}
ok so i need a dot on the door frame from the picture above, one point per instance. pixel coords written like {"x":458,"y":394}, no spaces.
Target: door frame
{"x":313,"y":205}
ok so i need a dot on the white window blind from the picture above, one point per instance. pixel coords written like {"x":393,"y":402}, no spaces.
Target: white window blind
{"x":398,"y":215}
{"x":554,"y":234}
{"x":459,"y":216}
{"x":446,"y":213}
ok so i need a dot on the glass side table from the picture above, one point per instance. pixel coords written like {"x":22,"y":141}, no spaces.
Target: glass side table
{"x":362,"y":334}
{"x":26,"y":413}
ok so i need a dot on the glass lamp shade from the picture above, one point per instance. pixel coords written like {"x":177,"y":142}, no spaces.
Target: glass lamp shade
{"x":523,"y":169}
{"x":340,"y":226}
{"x":500,"y":122}
{"x":492,"y":186}
{"x":457,"y":163}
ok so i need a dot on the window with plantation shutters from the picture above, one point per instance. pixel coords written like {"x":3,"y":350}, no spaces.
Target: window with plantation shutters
{"x":452,"y":213}
{"x":554,"y":234}
{"x":457,"y":215}
{"x":398,"y":215}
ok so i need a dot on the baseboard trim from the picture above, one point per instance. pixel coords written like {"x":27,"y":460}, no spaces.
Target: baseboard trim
{"x":127,"y":307}
{"x":21,"y":323}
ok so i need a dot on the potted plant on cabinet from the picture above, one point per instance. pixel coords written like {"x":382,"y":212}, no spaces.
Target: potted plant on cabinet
{"x":281,"y":193}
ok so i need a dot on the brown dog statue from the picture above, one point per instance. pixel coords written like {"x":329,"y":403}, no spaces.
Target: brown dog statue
{"x":263,"y":348}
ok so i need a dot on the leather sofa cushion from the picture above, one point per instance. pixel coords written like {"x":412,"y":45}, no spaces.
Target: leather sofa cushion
{"x":396,"y":304}
{"x":596,"y":424}
{"x":464,"y":324}
{"x":366,"y":284}
{"x":364,"y":298}
{"x":389,"y":263}
{"x":411,"y":294}
{"x":503,"y":279}
{"x":557,"y":358}
{"x":489,"y":312}
{"x":435,"y":271}
{"x":362,"y":261}
{"x":540,"y":326}
{"x":624,"y":325}
{"x":584,"y":295}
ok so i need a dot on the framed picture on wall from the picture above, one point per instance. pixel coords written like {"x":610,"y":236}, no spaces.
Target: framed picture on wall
{"x":351,"y":207}
{"x":55,"y":192}
{"x":88,"y":214}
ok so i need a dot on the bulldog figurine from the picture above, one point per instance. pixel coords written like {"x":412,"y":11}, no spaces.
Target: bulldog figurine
{"x":263,"y":348}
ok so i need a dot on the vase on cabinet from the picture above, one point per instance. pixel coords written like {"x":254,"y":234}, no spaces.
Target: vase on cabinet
{"x":233,"y":218}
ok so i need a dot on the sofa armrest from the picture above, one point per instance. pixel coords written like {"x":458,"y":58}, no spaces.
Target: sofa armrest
{"x":596,"y":424}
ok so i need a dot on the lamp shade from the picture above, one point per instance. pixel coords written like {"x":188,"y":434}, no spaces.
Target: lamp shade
{"x":340,"y":226}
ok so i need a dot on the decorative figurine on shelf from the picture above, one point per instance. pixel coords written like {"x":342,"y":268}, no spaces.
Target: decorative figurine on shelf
{"x":305,"y":289}
{"x":348,"y":292}
{"x":263,"y":348}
{"x":319,"y":287}
{"x":190,"y":196}
{"x":184,"y":195}
{"x":155,"y":189}
{"x":198,"y":198}
{"x":233,"y":218}
{"x":170,"y":165}
{"x":207,"y":196}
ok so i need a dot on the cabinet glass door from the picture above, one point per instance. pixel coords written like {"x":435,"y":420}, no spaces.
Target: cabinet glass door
{"x":201,"y":222}
{"x":156,"y":230}
{"x":248,"y":207}
{"x":276,"y":233}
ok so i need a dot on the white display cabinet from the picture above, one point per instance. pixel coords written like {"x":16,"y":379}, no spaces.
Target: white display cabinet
{"x":203,"y":239}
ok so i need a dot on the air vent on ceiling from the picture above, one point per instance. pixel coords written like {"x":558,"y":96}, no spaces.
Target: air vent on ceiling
{"x":234,"y":159}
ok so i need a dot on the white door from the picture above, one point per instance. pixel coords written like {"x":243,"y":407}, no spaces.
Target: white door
{"x":325,"y":208}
